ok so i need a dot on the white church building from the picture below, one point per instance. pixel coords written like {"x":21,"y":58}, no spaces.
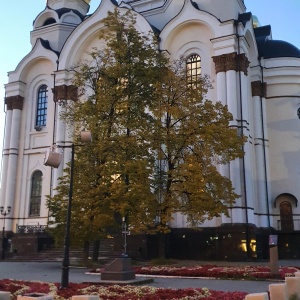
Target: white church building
{"x":256,"y":76}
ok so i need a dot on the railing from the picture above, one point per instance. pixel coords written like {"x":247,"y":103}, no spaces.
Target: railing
{"x":30,"y":229}
{"x":288,"y":225}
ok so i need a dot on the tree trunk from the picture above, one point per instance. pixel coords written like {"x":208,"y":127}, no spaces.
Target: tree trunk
{"x":161,"y":245}
{"x":86,"y":248}
{"x":96,"y":248}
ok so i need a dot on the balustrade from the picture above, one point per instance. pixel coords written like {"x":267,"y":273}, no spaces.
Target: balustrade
{"x":31,"y":229}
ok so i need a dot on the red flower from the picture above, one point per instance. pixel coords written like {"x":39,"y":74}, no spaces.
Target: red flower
{"x":110,"y":292}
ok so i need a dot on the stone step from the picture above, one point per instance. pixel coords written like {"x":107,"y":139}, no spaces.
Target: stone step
{"x":106,"y":253}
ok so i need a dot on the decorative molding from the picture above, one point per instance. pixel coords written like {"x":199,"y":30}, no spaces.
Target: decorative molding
{"x":14,"y":102}
{"x":259,"y":89}
{"x":243,"y":63}
{"x":219,"y":63}
{"x":231,"y":61}
{"x":65,"y":92}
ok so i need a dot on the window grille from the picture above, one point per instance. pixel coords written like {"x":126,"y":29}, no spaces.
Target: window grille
{"x":42,"y":103}
{"x":193,"y":66}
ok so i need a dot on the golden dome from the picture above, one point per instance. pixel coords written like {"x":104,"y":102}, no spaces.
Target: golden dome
{"x":255,"y":21}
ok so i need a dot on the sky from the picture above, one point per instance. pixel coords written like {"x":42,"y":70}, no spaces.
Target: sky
{"x":17,"y":17}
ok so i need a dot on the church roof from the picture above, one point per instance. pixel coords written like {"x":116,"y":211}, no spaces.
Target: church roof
{"x":269,"y":48}
{"x":245,"y":17}
{"x":46,"y":45}
{"x":62,"y":11}
{"x":277,"y":48}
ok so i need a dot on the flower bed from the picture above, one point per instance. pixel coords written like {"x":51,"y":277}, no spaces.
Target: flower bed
{"x":17,"y":287}
{"x":242,"y":272}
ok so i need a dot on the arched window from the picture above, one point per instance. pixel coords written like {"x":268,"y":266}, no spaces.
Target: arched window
{"x":36,"y":193}
{"x":42,"y":102}
{"x":49,"y":21}
{"x":193,"y":67}
{"x":286,"y":216}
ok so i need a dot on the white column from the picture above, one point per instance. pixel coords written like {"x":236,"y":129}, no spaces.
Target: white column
{"x":237,"y":215}
{"x":261,"y":203}
{"x":267,"y":163}
{"x":221,"y":87}
{"x":261,"y":155}
{"x":222,"y":97}
{"x":248,"y":148}
{"x":8,"y":122}
{"x":60,"y":138}
{"x":60,"y":125}
{"x":12,"y":164}
{"x":69,"y":136}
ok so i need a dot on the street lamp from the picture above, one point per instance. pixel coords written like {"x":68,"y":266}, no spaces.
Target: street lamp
{"x":53,"y":159}
{"x":124,"y":225}
{"x":4,"y":213}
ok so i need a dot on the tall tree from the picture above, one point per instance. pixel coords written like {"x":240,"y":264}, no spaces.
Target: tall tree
{"x":156,"y":140}
{"x":112,"y":174}
{"x":193,"y":135}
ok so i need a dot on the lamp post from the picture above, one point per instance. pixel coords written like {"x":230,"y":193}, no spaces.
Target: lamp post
{"x":125,"y":235}
{"x":85,"y":137}
{"x":4,"y":213}
{"x":66,"y":259}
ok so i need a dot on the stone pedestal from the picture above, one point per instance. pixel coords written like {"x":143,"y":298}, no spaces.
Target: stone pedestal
{"x":274,"y":267}
{"x":297,"y":274}
{"x":119,"y":270}
{"x":4,"y":295}
{"x":35,"y":296}
{"x":85,"y":297}
{"x":293,"y":286}
{"x":257,"y":296}
{"x":278,"y":291}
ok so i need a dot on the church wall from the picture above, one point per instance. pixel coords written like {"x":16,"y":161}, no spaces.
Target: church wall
{"x":209,"y":32}
{"x":222,"y":12}
{"x":33,"y":143}
{"x":56,"y":35}
{"x":282,"y":103}
{"x":193,"y":38}
{"x":284,"y":136}
{"x":190,"y":36}
{"x":160,"y":12}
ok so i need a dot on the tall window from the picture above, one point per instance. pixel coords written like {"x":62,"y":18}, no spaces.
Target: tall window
{"x":36,"y":193}
{"x":42,"y":102}
{"x":286,"y":216}
{"x":193,"y":66}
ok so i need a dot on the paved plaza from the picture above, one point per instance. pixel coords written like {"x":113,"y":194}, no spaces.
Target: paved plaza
{"x":51,"y":272}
